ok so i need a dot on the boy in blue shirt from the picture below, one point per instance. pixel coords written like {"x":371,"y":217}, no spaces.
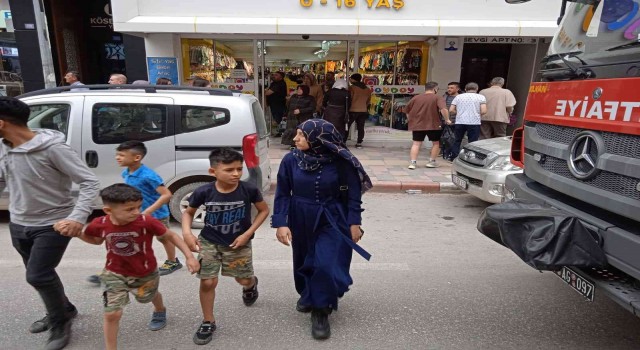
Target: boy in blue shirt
{"x":155,"y":196}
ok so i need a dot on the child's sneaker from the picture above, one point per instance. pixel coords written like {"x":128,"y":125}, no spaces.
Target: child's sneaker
{"x":205,"y":333}
{"x":249,"y":296}
{"x":158,"y":320}
{"x":169,"y":267}
{"x":432,"y":164}
{"x":412,"y":166}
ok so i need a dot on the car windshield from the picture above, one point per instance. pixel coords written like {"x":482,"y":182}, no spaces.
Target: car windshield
{"x":594,"y":42}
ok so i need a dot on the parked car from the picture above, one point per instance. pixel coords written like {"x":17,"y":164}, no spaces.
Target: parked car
{"x":482,"y":167}
{"x":179,"y":126}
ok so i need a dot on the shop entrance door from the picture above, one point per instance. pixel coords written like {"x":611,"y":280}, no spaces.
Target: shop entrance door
{"x":482,"y":62}
{"x":309,"y":62}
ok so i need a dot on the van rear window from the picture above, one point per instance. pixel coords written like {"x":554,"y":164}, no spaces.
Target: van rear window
{"x":199,"y":118}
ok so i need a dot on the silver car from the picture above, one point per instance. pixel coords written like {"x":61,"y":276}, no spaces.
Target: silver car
{"x":179,"y":127}
{"x":482,"y":167}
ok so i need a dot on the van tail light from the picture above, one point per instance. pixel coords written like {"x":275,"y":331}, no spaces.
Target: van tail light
{"x":250,"y":151}
{"x":517,"y":147}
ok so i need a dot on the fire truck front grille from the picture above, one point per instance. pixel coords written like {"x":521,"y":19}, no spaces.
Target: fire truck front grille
{"x":618,"y":184}
{"x":618,"y":144}
{"x":557,"y":133}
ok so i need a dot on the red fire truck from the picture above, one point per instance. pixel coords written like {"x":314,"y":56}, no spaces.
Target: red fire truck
{"x":579,"y":143}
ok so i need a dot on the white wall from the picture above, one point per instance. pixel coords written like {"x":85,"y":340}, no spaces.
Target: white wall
{"x":4,"y":5}
{"x":445,"y":66}
{"x":164,"y":45}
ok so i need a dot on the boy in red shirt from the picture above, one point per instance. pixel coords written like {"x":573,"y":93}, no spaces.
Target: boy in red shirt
{"x":131,"y":265}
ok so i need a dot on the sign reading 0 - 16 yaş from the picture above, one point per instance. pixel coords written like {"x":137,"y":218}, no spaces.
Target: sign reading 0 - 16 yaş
{"x":396,"y":4}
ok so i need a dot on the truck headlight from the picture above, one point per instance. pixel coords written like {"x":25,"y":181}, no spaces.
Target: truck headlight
{"x":503,"y":163}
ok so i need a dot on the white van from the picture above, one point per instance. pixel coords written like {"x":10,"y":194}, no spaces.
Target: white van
{"x":179,"y":126}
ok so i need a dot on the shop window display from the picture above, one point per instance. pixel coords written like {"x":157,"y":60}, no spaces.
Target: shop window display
{"x":217,"y":63}
{"x":386,"y":67}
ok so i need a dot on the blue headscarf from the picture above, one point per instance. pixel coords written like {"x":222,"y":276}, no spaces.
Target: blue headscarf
{"x":326,"y":146}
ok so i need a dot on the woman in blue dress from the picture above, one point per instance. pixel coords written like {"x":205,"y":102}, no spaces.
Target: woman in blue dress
{"x":317,"y":210}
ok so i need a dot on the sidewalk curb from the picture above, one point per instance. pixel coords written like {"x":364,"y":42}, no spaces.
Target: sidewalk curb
{"x":402,"y":187}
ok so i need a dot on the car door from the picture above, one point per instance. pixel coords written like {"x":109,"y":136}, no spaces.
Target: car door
{"x":110,"y":120}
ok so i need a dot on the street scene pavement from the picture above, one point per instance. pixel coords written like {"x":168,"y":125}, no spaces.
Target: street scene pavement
{"x":434,"y":282}
{"x":387,"y":168}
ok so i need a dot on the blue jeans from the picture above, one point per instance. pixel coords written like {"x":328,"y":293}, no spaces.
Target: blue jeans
{"x":472,"y":131}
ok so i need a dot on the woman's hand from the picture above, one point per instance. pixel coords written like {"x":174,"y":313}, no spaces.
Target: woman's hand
{"x":296,"y":111}
{"x":283,"y":234}
{"x":356,"y":233}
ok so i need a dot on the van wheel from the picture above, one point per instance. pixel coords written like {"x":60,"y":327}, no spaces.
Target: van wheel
{"x":180,"y":201}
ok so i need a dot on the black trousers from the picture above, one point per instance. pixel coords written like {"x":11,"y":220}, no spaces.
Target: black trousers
{"x":42,"y":249}
{"x":359,"y":118}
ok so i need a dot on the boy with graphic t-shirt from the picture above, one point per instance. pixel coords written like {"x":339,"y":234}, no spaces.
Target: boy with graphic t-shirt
{"x":131,"y":265}
{"x":224,"y":243}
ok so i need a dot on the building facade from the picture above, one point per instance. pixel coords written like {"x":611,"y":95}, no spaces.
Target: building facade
{"x":397,"y":45}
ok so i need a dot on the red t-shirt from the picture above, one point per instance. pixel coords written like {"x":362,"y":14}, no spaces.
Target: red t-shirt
{"x":129,"y":250}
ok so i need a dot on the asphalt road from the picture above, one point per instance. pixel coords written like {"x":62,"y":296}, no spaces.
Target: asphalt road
{"x":434,"y":282}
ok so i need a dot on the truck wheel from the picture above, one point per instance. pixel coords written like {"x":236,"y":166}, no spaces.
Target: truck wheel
{"x":180,"y":201}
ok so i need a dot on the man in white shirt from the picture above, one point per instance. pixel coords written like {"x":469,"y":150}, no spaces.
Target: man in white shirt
{"x":500,"y":103}
{"x":469,"y":109}
{"x":73,"y":78}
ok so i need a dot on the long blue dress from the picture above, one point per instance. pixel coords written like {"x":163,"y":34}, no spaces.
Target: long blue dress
{"x":308,"y":202}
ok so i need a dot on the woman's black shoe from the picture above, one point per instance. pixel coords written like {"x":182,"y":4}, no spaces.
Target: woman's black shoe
{"x":320,"y":328}
{"x":303,"y":308}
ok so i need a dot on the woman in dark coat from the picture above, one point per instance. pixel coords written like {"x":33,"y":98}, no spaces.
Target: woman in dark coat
{"x":317,"y":210}
{"x":336,"y":104}
{"x":301,"y":108}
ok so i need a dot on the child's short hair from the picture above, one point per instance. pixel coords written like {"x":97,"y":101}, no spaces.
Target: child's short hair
{"x":120,"y":194}
{"x":224,"y":155}
{"x":133,"y":146}
{"x":14,"y":111}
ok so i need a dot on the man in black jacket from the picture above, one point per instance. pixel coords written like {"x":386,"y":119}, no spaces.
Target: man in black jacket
{"x":277,"y":97}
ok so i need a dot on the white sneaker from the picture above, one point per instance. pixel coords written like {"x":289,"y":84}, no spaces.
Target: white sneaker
{"x":432,"y":164}
{"x":412,"y":166}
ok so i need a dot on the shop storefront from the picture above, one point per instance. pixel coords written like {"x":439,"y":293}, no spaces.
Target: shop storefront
{"x":396,"y":45}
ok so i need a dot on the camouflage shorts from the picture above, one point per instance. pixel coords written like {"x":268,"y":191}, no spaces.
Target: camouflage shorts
{"x":234,"y":263}
{"x":166,"y":222}
{"x":116,"y":289}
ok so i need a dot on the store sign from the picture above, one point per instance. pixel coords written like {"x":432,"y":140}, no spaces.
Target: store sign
{"x":372,"y":4}
{"x":499,"y":40}
{"x":102,"y":17}
{"x":162,"y":67}
{"x":238,"y":74}
{"x":397,"y":89}
{"x":9,"y":51}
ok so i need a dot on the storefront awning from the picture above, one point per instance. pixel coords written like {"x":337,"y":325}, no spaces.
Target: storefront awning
{"x":266,"y":26}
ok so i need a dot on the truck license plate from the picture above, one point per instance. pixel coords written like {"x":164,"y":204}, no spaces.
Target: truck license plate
{"x":460,"y":182}
{"x":577,"y":282}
